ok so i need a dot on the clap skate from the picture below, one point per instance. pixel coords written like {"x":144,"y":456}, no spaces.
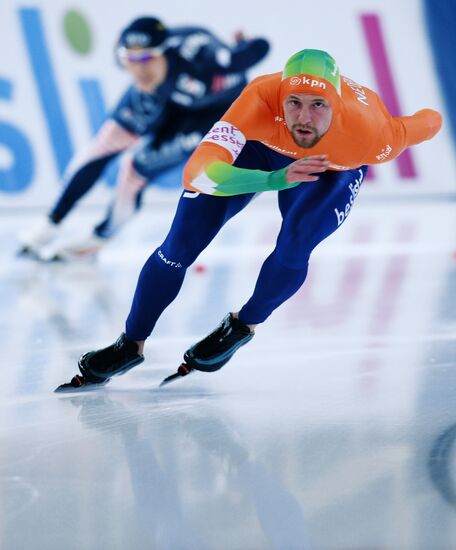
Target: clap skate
{"x":33,"y":239}
{"x":79,"y":382}
{"x":85,"y":249}
{"x":215,"y":350}
{"x":97,"y":367}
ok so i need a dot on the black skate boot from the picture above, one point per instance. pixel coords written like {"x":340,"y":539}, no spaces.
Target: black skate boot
{"x":214,"y":351}
{"x":97,"y":367}
{"x":118,"y":358}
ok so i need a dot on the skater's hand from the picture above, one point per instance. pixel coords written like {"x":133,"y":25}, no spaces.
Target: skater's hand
{"x":239,"y":36}
{"x":302,"y":169}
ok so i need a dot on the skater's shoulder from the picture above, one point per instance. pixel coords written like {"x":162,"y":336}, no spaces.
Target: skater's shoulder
{"x":265,"y":85}
{"x":265,"y":88}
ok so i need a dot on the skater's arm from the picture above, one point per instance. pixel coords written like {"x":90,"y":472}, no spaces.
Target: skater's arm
{"x":421,"y":126}
{"x":245,"y":54}
{"x":394,"y":134}
{"x":223,"y":179}
{"x":210,"y":169}
{"x":207,"y":52}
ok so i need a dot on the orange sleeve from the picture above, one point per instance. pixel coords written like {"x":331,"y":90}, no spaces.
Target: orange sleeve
{"x":421,"y":126}
{"x":394,"y":134}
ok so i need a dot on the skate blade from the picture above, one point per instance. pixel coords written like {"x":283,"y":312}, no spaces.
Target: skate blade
{"x":183,"y":370}
{"x":35,"y":254}
{"x":27,"y":252}
{"x":23,"y":251}
{"x":68,"y":388}
{"x":64,"y":257}
{"x":85,"y":387}
{"x":56,"y":259}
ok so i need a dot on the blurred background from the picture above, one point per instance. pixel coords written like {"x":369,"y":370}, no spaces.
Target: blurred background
{"x":58,"y":75}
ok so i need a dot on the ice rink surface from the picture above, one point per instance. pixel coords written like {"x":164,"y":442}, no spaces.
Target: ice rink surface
{"x":334,"y":429}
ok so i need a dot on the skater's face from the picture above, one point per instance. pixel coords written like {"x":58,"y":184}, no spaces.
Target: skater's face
{"x":307,"y":117}
{"x":147,"y":66}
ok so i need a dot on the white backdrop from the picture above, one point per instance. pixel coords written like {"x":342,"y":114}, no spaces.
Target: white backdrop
{"x":40,"y":70}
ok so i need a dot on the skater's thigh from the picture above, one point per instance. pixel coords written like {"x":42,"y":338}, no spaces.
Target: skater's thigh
{"x":312,"y":211}
{"x":200,"y":217}
{"x":197,"y":220}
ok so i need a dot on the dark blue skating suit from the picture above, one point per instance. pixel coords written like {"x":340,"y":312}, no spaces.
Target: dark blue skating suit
{"x":204,"y":77}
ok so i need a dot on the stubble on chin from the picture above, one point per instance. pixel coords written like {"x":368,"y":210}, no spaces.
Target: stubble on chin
{"x":305,"y":143}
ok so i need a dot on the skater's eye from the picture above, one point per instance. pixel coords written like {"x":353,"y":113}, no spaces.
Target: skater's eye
{"x":293,"y":102}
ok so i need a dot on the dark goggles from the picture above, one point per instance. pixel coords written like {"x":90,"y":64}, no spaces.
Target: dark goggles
{"x":130,"y":55}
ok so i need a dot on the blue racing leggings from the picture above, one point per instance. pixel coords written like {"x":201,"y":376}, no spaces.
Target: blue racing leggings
{"x":310,"y":212}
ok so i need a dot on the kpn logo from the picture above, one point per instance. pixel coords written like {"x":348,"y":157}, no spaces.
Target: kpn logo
{"x":17,"y":150}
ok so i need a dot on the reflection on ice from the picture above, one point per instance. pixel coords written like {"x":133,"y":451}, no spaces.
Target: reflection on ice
{"x":333,"y":428}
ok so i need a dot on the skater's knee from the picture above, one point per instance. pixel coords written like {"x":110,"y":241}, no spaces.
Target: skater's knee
{"x":293,"y":257}
{"x":130,"y":181}
{"x":180,"y":249}
{"x":172,"y":259}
